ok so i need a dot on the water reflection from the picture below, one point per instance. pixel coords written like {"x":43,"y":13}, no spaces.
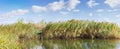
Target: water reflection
{"x":73,"y":44}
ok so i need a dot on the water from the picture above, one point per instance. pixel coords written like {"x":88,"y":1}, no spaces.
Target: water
{"x":72,"y":44}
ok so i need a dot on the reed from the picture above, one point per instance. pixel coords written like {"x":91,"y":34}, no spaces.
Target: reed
{"x":11,"y":35}
{"x":81,"y":29}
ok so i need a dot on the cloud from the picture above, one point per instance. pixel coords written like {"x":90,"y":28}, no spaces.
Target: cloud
{"x":112,"y":10}
{"x":36,"y":8}
{"x":107,"y":20}
{"x":56,"y":5}
{"x":17,"y":12}
{"x":118,"y":16}
{"x":64,"y":13}
{"x":90,"y":14}
{"x":92,"y":3}
{"x":76,"y":10}
{"x":72,"y":4}
{"x":100,"y":10}
{"x":112,"y":3}
{"x":69,"y":5}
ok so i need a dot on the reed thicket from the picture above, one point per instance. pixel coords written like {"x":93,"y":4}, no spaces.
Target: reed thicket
{"x":81,"y":29}
{"x":11,"y":35}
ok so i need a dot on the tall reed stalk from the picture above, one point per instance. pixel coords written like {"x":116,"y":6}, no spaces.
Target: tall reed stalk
{"x":81,"y":29}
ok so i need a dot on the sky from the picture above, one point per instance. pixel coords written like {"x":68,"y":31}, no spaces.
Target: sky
{"x":59,"y":10}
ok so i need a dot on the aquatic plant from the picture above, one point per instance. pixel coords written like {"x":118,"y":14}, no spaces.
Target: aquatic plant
{"x":81,"y":29}
{"x":11,"y":35}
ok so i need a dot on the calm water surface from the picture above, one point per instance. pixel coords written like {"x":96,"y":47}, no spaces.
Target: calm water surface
{"x":72,"y":44}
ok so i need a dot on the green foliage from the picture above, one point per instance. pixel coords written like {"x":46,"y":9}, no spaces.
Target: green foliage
{"x":81,"y":29}
{"x":11,"y":34}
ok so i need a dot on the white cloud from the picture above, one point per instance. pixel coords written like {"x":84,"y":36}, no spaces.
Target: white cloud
{"x":76,"y":10}
{"x":14,"y":13}
{"x":92,"y":3}
{"x":118,"y":16}
{"x":69,"y":5}
{"x":72,"y":4}
{"x":90,"y":14}
{"x":107,"y":20}
{"x":64,"y":13}
{"x":100,"y":10}
{"x":36,"y":8}
{"x":112,"y":10}
{"x":56,"y":5}
{"x":113,"y":3}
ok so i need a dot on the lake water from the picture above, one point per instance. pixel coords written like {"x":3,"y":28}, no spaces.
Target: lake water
{"x":72,"y":44}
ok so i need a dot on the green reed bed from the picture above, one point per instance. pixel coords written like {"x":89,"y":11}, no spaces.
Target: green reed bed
{"x":81,"y":29}
{"x":11,"y":35}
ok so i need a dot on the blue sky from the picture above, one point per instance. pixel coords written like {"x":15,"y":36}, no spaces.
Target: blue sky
{"x":59,"y":10}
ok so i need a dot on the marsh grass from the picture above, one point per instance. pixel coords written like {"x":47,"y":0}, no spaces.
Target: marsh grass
{"x":12,"y":34}
{"x":81,"y":29}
